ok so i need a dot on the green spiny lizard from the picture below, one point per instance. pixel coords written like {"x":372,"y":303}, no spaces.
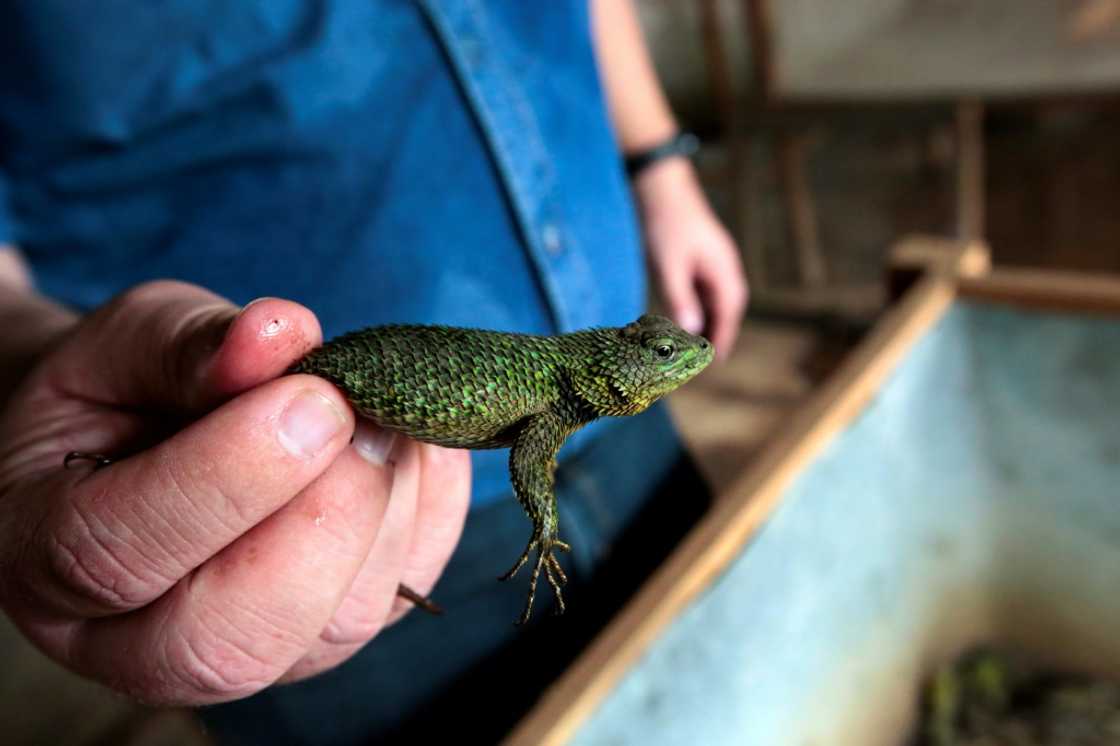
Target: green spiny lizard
{"x":468,"y":388}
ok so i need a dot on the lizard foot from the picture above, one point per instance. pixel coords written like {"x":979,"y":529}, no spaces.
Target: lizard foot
{"x":553,"y":572}
{"x":98,"y":460}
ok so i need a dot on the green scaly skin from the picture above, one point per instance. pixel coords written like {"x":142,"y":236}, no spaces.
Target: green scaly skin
{"x":469,"y":388}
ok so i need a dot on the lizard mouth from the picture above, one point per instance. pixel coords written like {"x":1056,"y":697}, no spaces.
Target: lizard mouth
{"x":702,"y":356}
{"x":705,"y":353}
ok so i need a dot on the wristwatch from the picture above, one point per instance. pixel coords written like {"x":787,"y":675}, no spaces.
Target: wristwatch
{"x":683,"y":144}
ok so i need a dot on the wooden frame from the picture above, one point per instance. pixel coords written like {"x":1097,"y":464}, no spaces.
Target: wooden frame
{"x":948,"y":271}
{"x":791,"y":118}
{"x":773,"y":109}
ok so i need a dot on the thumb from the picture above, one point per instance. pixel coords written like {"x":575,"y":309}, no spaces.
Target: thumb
{"x":681,"y":297}
{"x":181,"y":348}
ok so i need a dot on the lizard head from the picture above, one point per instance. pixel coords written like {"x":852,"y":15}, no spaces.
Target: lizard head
{"x":637,"y":364}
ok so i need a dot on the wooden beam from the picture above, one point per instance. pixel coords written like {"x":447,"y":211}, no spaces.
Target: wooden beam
{"x":1046,"y":289}
{"x":913,"y":257}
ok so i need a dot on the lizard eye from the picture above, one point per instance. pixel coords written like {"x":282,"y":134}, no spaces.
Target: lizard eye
{"x":664,"y":351}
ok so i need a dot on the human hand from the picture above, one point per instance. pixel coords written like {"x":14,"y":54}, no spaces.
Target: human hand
{"x":694,"y":259}
{"x":241,"y":540}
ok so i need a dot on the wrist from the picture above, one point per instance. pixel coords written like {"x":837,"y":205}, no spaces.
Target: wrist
{"x":677,"y":145}
{"x":647,"y":134}
{"x":669,"y":181}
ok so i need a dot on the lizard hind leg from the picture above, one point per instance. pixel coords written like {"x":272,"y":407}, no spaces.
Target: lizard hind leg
{"x":532,"y":463}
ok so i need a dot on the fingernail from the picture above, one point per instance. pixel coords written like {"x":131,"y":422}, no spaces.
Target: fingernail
{"x":691,"y":321}
{"x":372,"y":443}
{"x":308,"y":423}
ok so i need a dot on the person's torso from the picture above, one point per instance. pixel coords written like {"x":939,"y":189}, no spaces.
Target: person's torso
{"x":447,"y":161}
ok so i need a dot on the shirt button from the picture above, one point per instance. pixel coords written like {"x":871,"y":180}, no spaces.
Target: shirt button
{"x":550,"y":237}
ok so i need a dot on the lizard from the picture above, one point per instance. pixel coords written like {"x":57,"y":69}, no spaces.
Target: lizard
{"x":472,"y":388}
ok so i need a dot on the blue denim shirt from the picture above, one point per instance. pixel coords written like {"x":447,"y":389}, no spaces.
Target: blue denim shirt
{"x":442,"y":161}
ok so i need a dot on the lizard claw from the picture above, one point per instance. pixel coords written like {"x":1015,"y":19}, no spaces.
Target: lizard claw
{"x":553,"y":572}
{"x":553,"y":565}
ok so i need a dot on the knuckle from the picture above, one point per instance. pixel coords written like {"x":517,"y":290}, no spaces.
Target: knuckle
{"x":148,"y":292}
{"x":737,"y":295}
{"x":88,"y":562}
{"x":354,"y":629}
{"x":208,"y":500}
{"x":211,"y":669}
{"x":217,"y":655}
{"x":122,"y":309}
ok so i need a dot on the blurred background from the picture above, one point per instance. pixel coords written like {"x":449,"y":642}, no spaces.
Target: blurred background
{"x":829,"y":136}
{"x":830,"y":130}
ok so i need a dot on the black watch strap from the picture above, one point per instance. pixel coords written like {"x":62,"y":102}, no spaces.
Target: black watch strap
{"x":683,"y":144}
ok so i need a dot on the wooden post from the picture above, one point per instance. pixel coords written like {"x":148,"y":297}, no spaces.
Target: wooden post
{"x":738,"y":173}
{"x":720,"y":77}
{"x":801,"y":211}
{"x":760,"y":31}
{"x":970,"y":170}
{"x":914,"y":257}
